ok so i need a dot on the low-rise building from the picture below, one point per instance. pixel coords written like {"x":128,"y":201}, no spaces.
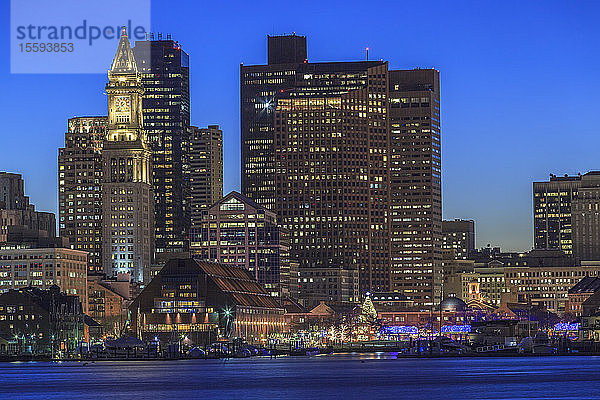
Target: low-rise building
{"x":545,"y":277}
{"x":579,"y":293}
{"x":108,"y":300}
{"x":204,"y":301}
{"x":42,"y":321}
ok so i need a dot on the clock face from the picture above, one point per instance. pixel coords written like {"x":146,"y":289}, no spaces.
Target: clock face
{"x":122,"y":104}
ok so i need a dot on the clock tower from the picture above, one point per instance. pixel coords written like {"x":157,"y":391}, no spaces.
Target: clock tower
{"x":127,"y":197}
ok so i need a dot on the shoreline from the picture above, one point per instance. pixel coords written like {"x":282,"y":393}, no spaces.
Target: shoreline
{"x":18,"y":359}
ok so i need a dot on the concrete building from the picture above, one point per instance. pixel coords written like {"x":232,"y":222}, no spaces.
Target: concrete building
{"x":458,"y":236}
{"x":237,"y":231}
{"x":544,"y":277}
{"x":333,"y":286}
{"x":552,"y":206}
{"x":164,"y":72}
{"x":460,"y":275}
{"x":415,"y":184}
{"x":348,"y":154}
{"x":203,"y":302}
{"x":17,"y":215}
{"x":586,"y":218}
{"x":127,"y":197}
{"x":206,"y":169}
{"x":317,"y":154}
{"x":25,"y":266}
{"x":80,"y":187}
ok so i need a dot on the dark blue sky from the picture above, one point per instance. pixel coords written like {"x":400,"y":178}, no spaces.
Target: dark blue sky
{"x":519,"y":89}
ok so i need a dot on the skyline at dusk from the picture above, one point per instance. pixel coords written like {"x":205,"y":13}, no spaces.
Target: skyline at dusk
{"x":517,"y":84}
{"x":299,"y":200}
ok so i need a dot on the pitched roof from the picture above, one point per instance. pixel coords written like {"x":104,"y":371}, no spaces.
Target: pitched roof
{"x":124,"y":61}
{"x":236,"y":282}
{"x":240,"y":197}
{"x":586,"y":285}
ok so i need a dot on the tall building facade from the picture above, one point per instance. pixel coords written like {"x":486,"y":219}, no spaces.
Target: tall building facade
{"x":17,"y":215}
{"x":415,"y":184}
{"x":315,"y":150}
{"x":164,"y":72}
{"x":127,"y":197}
{"x":206,"y":169}
{"x":458,"y":236}
{"x":316,"y":147}
{"x":80,"y":187}
{"x":552,"y":212}
{"x":237,"y":231}
{"x":585,"y":213}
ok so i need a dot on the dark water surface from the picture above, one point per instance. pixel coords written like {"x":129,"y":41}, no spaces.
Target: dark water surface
{"x":344,"y":376}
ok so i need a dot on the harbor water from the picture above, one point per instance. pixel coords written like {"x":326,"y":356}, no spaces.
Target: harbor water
{"x":341,"y":376}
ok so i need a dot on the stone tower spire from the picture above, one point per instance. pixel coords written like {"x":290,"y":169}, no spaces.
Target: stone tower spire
{"x":124,"y":61}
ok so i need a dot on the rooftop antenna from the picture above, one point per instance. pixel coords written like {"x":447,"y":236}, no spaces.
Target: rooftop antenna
{"x":367,"y":54}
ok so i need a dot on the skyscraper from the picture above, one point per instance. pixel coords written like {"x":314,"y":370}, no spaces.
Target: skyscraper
{"x":80,"y":187}
{"x":206,"y":169}
{"x":127,"y":198}
{"x":459,"y":237}
{"x":415,"y":184}
{"x":586,"y":218}
{"x":348,"y":154}
{"x":315,"y":149}
{"x":164,"y":71}
{"x":552,"y":218}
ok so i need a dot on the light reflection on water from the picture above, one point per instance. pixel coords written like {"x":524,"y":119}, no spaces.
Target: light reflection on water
{"x":350,"y":375}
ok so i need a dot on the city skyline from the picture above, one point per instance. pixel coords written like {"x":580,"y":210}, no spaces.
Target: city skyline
{"x":488,"y":181}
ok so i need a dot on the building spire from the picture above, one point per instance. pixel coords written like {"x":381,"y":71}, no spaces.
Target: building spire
{"x":124,"y":62}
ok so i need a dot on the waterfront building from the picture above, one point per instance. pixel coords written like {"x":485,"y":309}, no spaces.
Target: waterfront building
{"x":544,"y":277}
{"x":402,"y":322}
{"x":203,"y":302}
{"x":80,"y":187}
{"x":458,"y":236}
{"x":336,"y":319}
{"x":25,"y":265}
{"x":240,"y":232}
{"x":579,"y":293}
{"x":127,"y":197}
{"x":589,"y":328}
{"x":552,"y":207}
{"x":164,"y":72}
{"x":206,"y":169}
{"x":415,"y":185}
{"x":42,"y":321}
{"x":108,"y":300}
{"x":17,"y":215}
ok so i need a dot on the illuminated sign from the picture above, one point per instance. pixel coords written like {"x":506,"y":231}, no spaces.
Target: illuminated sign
{"x":456,"y":328}
{"x":400,"y":330}
{"x":565,"y":326}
